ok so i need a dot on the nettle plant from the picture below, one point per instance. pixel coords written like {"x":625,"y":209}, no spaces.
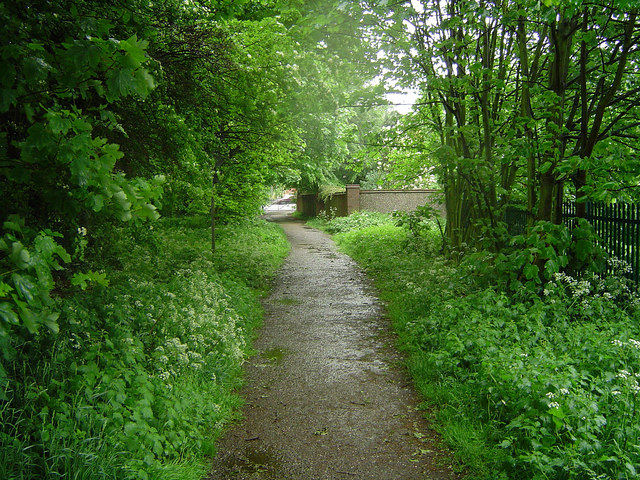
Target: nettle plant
{"x":546,"y":250}
{"x":419,"y":221}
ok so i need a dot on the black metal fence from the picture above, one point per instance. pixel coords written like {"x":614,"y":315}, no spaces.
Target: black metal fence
{"x":616,"y":225}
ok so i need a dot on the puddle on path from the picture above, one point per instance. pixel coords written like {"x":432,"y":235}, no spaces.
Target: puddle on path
{"x":289,"y":301}
{"x":274,"y":355}
{"x":251,"y":461}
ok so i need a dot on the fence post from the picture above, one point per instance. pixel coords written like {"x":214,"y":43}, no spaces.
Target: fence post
{"x":353,"y":198}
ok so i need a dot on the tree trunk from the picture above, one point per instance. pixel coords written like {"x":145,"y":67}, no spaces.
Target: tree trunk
{"x":545,"y":204}
{"x":579,"y":181}
{"x":551,"y":190}
{"x":214,"y":182}
{"x":556,"y":215}
{"x":213,"y":222}
{"x":525,"y":113}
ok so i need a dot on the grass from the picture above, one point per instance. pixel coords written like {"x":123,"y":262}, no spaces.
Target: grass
{"x":521,"y":386}
{"x":141,"y":379}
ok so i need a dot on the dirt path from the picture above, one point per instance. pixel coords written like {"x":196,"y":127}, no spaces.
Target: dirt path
{"x":326,"y":397}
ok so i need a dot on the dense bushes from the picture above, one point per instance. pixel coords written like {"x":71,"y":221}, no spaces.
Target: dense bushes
{"x":355,"y":221}
{"x":139,"y":381}
{"x":525,"y":385}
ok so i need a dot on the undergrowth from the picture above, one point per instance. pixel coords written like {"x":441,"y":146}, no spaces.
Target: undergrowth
{"x":355,"y":221}
{"x":139,"y":381}
{"x":527,"y":381}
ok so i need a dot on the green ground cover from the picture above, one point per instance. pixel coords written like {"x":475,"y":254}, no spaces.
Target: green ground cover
{"x":139,"y":382}
{"x":535,"y":381}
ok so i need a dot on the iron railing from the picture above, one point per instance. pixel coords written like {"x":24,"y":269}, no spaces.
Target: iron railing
{"x":617,"y":227}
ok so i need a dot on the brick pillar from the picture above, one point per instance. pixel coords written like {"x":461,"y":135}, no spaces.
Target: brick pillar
{"x":353,"y":198}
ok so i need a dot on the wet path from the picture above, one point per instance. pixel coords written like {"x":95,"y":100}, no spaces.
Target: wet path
{"x":326,"y":398}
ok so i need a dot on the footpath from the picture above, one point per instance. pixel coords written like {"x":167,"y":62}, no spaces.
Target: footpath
{"x":326,"y":395}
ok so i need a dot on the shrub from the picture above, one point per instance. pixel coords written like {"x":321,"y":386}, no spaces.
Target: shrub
{"x":355,"y":221}
{"x":524,"y":386}
{"x":139,"y":381}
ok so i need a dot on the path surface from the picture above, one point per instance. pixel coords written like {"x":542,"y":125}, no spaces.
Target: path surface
{"x":326,"y":395}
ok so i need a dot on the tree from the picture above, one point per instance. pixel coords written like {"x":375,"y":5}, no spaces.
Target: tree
{"x":524,"y":94}
{"x":62,"y":67}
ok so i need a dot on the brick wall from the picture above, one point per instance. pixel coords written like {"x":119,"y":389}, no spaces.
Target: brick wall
{"x":385,"y":201}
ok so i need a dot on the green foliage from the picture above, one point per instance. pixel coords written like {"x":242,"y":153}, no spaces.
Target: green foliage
{"x":532,"y":259}
{"x":26,"y":266}
{"x":139,"y":381}
{"x":419,"y":221}
{"x":520,"y":102}
{"x":56,"y":102}
{"x":355,"y":221}
{"x":523,"y":386}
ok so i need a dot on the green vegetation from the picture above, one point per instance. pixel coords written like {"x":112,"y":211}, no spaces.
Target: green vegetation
{"x":356,"y":220}
{"x":522,"y":385}
{"x":118,"y":333}
{"x":520,"y":103}
{"x":120,"y":337}
{"x":139,"y":381}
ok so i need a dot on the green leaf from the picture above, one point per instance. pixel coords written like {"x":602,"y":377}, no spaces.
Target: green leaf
{"x":551,"y":267}
{"x":97,"y":202}
{"x":8,"y":98}
{"x":12,"y":225}
{"x":121,"y":199}
{"x":20,"y":256}
{"x":57,"y":123}
{"x":149,"y":211}
{"x":29,"y":319}
{"x":583,"y":248}
{"x":5,"y":288}
{"x":25,"y":285}
{"x":631,"y":468}
{"x":51,"y":322}
{"x":144,"y":83}
{"x":135,"y":50}
{"x":48,"y":247}
{"x":531,"y":272}
{"x":7,"y":313}
{"x":82,"y":279}
{"x":121,"y":83}
{"x":7,"y":74}
{"x":544,"y":168}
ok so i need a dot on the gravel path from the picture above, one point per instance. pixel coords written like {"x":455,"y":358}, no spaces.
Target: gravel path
{"x":326,"y":395}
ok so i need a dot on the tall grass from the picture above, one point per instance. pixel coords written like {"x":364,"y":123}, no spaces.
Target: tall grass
{"x":140,"y":380}
{"x":522,"y":386}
